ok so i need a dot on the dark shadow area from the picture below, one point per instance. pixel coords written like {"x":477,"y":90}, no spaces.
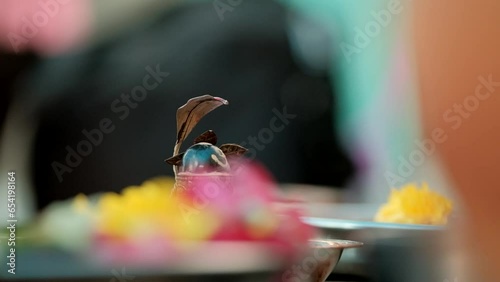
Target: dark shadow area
{"x":246,"y":59}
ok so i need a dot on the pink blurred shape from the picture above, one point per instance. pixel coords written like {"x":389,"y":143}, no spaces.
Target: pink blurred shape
{"x":46,"y":27}
{"x":250,"y":209}
{"x":154,"y":250}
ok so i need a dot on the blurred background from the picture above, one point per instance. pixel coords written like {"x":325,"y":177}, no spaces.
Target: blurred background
{"x":349,"y":92}
{"x":326,"y":94}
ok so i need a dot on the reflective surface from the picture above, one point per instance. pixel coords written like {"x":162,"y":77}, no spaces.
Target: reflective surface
{"x":391,"y":252}
{"x":349,"y":224}
{"x":319,"y":263}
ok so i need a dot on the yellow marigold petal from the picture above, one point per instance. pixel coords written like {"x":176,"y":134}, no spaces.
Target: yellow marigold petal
{"x":415,"y":205}
{"x":80,"y":204}
{"x":150,"y":209}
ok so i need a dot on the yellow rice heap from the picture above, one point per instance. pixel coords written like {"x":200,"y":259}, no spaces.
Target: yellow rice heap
{"x":413,"y":205}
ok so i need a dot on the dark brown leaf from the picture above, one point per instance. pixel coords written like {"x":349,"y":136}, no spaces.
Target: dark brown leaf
{"x":208,"y":136}
{"x":175,"y":160}
{"x":233,"y":149}
{"x":191,"y":113}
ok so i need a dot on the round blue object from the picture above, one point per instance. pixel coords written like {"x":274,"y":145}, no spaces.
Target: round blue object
{"x":204,"y":157}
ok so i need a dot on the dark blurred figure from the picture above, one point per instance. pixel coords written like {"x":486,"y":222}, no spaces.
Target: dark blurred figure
{"x":11,"y":67}
{"x":245,"y":59}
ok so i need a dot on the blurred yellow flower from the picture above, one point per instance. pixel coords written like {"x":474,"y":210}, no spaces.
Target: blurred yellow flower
{"x":414,"y":205}
{"x":149,"y":210}
{"x":80,"y":204}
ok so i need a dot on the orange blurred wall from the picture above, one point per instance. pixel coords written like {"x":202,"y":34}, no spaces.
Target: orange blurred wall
{"x":458,"y":57}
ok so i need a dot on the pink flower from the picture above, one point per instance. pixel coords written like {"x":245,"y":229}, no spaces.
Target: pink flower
{"x":141,"y":251}
{"x":43,"y":26}
{"x":249,"y":208}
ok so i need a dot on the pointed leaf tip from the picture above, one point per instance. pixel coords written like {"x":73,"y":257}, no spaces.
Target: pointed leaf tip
{"x":208,"y":136}
{"x":233,"y":149}
{"x":175,"y":160}
{"x":193,"y":111}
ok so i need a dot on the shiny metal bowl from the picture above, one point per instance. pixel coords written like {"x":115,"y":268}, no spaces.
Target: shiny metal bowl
{"x":391,"y":252}
{"x":319,"y":262}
